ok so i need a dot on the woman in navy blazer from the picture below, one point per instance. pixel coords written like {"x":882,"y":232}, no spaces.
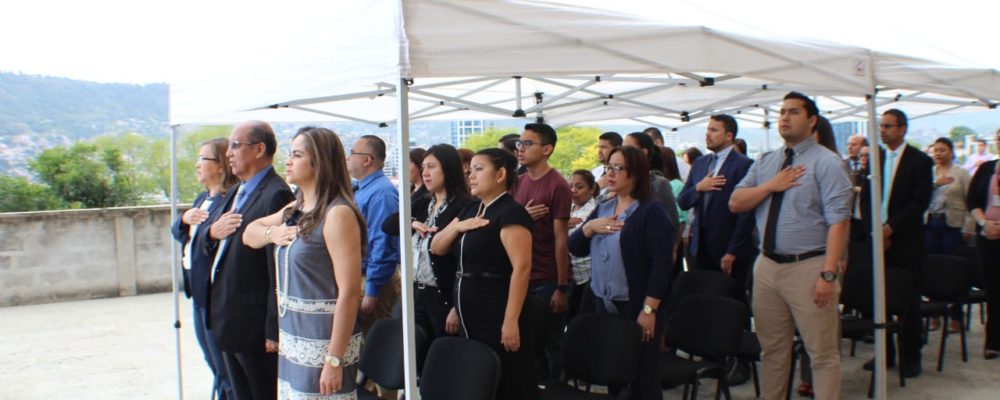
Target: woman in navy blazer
{"x":631,"y":235}
{"x":212,"y":171}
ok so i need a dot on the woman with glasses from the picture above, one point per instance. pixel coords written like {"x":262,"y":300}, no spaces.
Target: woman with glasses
{"x":491,"y":239}
{"x":212,"y":171}
{"x":629,"y":239}
{"x":983,"y":202}
{"x":317,"y":260}
{"x":448,"y":194}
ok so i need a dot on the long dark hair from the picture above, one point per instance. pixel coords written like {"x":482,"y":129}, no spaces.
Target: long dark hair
{"x":455,"y":184}
{"x":501,"y":158}
{"x":638,"y":168}
{"x":824,"y":134}
{"x":332,"y":181}
{"x":652,"y":151}
{"x":588,"y":178}
{"x":670,"y":170}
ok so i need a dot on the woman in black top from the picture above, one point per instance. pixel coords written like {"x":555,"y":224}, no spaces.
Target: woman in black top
{"x":444,"y":180}
{"x":983,"y":201}
{"x":492,"y":240}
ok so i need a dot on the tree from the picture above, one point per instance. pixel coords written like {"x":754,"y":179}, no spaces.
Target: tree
{"x":85,"y":175}
{"x":575,"y":149}
{"x":19,"y":194}
{"x":958,"y":134}
{"x":488,"y":138}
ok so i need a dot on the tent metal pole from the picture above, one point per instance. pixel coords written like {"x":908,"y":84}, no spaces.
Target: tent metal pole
{"x":175,"y":269}
{"x":767,"y":129}
{"x":405,"y":261}
{"x":878,"y":257}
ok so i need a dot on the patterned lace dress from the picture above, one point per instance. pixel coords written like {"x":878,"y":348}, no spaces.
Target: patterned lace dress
{"x":307,"y":295}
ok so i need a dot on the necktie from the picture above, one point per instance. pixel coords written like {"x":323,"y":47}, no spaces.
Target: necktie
{"x":771,"y":229}
{"x":887,"y":177}
{"x":237,"y":203}
{"x":707,"y":196}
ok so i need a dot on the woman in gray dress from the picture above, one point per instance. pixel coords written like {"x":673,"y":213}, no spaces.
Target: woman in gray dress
{"x":317,"y":255}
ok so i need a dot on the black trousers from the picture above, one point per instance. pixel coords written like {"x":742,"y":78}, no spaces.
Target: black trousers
{"x":430,"y":310}
{"x":254,"y":376}
{"x":989,"y":253}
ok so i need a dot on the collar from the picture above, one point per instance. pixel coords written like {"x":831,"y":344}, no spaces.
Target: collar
{"x":899,"y":150}
{"x":722,"y":154}
{"x":252,"y":183}
{"x":800,"y":148}
{"x":366,"y":181}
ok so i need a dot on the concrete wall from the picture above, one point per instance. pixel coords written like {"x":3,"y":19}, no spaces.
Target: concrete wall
{"x":82,"y":254}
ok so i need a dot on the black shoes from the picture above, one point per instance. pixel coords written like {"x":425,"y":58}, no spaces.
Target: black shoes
{"x":870,"y":365}
{"x":911,"y":370}
{"x":737,"y":373}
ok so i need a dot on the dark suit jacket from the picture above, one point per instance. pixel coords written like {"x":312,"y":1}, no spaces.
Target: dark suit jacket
{"x":242,"y":310}
{"x":196,"y":279}
{"x":716,"y":229}
{"x":911,"y":194}
{"x":979,"y":188}
{"x":647,"y":242}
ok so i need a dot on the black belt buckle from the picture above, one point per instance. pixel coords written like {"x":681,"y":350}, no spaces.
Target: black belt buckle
{"x":420,"y":285}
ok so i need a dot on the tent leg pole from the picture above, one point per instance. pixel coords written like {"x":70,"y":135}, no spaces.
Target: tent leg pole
{"x":878,"y":257}
{"x":405,"y":261}
{"x":174,"y":262}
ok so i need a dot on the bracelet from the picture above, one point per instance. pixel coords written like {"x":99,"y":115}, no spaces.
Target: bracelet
{"x":267,"y":234}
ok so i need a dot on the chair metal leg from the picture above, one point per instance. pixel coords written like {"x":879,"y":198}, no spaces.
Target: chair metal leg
{"x":694,"y":390}
{"x":791,"y":372}
{"x":724,"y":384}
{"x":687,"y":390}
{"x":854,"y":344}
{"x":944,"y":341}
{"x":927,"y":329}
{"x":756,"y":379}
{"x":965,"y":350}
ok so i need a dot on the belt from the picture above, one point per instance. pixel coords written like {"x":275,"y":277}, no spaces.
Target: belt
{"x":482,"y":275}
{"x":424,"y":285}
{"x":791,"y":258}
{"x":937,"y":215}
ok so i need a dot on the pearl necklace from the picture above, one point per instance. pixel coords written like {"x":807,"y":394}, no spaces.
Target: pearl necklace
{"x":282,"y":292}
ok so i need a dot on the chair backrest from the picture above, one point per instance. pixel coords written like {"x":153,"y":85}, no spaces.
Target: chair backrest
{"x":707,"y":326}
{"x":459,"y":369}
{"x":945,"y":277}
{"x":602,"y":349}
{"x":702,"y":282}
{"x":382,"y":355}
{"x":858,"y":290}
{"x":976,"y":275}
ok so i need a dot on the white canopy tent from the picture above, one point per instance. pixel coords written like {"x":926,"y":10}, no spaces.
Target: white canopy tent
{"x":491,"y":59}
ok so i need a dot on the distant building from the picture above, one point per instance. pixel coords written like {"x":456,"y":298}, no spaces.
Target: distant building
{"x":843,"y":130}
{"x":461,"y":130}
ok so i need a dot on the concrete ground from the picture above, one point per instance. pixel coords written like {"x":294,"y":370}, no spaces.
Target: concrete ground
{"x":123,"y":348}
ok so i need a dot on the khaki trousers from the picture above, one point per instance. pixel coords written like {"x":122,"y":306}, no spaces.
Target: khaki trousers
{"x":782,"y":301}
{"x":387,"y":299}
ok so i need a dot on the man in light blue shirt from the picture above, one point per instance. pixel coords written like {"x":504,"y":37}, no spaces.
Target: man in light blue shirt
{"x":377,"y":199}
{"x":800,"y":195}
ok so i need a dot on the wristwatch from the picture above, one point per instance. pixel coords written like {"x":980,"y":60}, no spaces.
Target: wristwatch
{"x":563,"y":288}
{"x":334,"y":361}
{"x":647,"y":309}
{"x":828,"y":276}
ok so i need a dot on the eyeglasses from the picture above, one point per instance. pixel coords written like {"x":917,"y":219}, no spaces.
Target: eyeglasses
{"x":889,"y":126}
{"x":203,"y":158}
{"x":354,"y":153}
{"x":523,"y":144}
{"x":235,"y":144}
{"x":617,"y":168}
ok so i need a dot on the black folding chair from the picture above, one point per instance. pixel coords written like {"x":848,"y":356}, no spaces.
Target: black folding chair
{"x":946,"y":283}
{"x":600,"y":349}
{"x":460,"y":369}
{"x":381,"y":358}
{"x":708,"y":329}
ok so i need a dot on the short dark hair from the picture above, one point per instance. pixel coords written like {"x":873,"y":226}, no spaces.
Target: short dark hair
{"x":501,"y":158}
{"x":692,"y":154}
{"x":261,"y":132}
{"x":612,"y":137}
{"x":637,"y":167}
{"x":417,"y":155}
{"x":509,"y":141}
{"x":809,"y":104}
{"x":741,"y":146}
{"x":588,"y":178}
{"x":981,"y":140}
{"x":376,"y":145}
{"x":646,"y":143}
{"x":728,"y":123}
{"x":544,"y":131}
{"x":899,"y":114}
{"x":945,"y":141}
{"x":451,"y":166}
{"x":654,"y":132}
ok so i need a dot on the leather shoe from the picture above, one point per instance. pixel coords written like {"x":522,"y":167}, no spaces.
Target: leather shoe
{"x":738,"y":373}
{"x":870,"y":364}
{"x":911,"y":370}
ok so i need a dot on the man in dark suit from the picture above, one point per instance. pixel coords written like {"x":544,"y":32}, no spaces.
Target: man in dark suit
{"x":906,"y":192}
{"x":720,"y":240}
{"x":242,"y":313}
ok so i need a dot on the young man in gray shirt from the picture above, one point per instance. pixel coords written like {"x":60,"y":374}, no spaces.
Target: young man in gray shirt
{"x":800,"y":195}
